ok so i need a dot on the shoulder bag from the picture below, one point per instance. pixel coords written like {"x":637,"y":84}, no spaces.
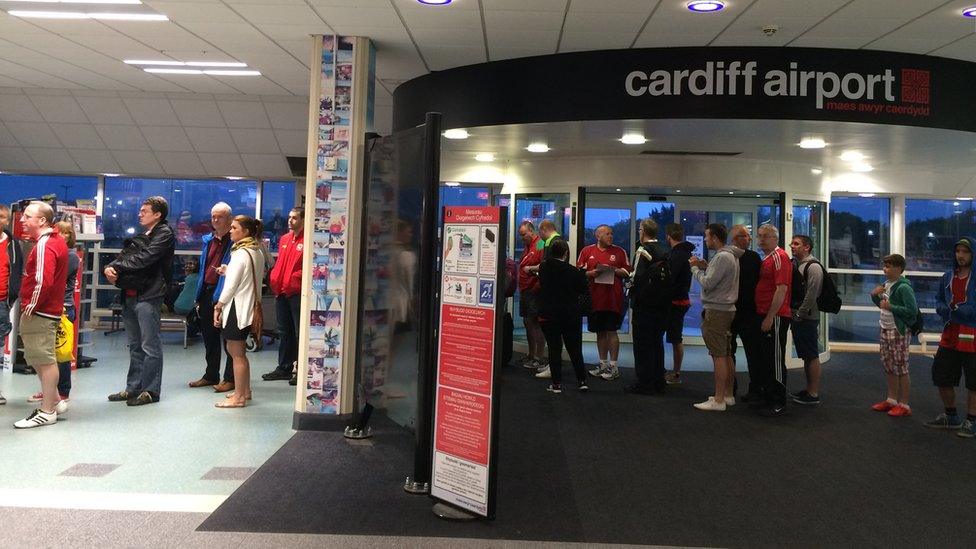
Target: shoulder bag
{"x":257,"y":316}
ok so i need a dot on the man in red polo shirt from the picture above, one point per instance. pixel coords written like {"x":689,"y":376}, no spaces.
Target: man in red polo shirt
{"x":773,"y":307}
{"x":528,"y":285}
{"x":606,"y":266}
{"x":286,"y":284}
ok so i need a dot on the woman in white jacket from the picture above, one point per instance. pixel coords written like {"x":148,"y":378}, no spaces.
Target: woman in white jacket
{"x":234,"y":311}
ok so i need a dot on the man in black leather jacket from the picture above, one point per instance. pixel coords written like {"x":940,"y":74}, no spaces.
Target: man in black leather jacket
{"x":141,"y":303}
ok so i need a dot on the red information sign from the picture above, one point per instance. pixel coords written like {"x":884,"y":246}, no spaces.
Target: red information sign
{"x":465,"y":406}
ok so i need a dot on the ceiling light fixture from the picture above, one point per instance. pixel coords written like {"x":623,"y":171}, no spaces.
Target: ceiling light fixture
{"x":169,"y":63}
{"x":851,"y":156}
{"x":233,"y":177}
{"x":155,"y":70}
{"x":484,"y":157}
{"x":110,"y":174}
{"x":452,"y":184}
{"x":865,"y":195}
{"x":173,"y":71}
{"x":456,"y":133}
{"x":537,"y":148}
{"x":435,"y":2}
{"x":812,"y":143}
{"x":816,"y":171}
{"x":231,"y":73}
{"x":633,"y":139}
{"x":862,"y":167}
{"x":618,"y":190}
{"x":969,"y":12}
{"x":83,"y":15}
{"x":706,"y":6}
{"x":964,"y":198}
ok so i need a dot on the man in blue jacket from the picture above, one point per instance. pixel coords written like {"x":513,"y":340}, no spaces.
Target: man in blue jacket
{"x":216,"y":252}
{"x":956,"y":304}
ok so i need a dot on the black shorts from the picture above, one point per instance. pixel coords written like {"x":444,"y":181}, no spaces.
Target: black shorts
{"x":806,"y":338}
{"x":231,"y":331}
{"x":948,"y":366}
{"x":604,"y":321}
{"x":676,"y":322}
{"x":528,"y":304}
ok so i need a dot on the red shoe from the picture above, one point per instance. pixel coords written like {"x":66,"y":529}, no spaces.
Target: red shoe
{"x":900,"y":411}
{"x":883,"y":406}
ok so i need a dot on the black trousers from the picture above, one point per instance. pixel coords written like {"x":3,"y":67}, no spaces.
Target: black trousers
{"x":648,"y":333}
{"x":287,"y":312}
{"x":773,"y":369}
{"x":748,"y":327}
{"x":570,"y":331}
{"x":212,"y":342}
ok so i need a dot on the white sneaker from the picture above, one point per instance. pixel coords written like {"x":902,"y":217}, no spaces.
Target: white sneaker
{"x":729,"y":401}
{"x":544,"y":373}
{"x":37,"y":418}
{"x":598,"y":369}
{"x":3,"y":399}
{"x":61,"y":408}
{"x":710,"y":405}
{"x":611,"y":373}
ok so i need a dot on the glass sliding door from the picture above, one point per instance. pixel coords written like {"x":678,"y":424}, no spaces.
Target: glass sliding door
{"x":536,"y":207}
{"x":809,"y":220}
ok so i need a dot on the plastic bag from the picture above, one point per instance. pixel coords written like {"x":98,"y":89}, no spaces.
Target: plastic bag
{"x":64,"y":342}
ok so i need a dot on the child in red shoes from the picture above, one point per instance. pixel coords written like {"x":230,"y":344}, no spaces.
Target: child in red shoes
{"x":896,"y":299}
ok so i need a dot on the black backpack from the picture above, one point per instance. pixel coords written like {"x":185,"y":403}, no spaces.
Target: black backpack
{"x":919,"y":325}
{"x":653,"y":287}
{"x":828,"y":301}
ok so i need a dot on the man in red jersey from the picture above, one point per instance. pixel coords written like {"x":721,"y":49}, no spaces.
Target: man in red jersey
{"x":528,"y":286}
{"x":286,"y":284}
{"x":606,"y":266}
{"x":773,"y":307}
{"x":41,"y":305}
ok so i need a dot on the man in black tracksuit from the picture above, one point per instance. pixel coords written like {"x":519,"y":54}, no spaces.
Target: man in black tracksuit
{"x":747,"y":324}
{"x":678,"y":257}
{"x":650,"y":315}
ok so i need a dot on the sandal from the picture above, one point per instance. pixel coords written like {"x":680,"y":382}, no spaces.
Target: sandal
{"x":230,"y":395}
{"x":229,"y":404}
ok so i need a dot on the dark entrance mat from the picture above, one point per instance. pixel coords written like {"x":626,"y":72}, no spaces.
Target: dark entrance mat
{"x":616,"y":468}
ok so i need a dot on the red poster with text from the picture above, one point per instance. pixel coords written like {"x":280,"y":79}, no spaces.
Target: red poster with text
{"x":462,"y":424}
{"x":466,"y":348}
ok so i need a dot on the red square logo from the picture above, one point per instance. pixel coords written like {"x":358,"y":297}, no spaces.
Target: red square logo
{"x":908,"y":77}
{"x":922,"y":78}
{"x":922,"y":96}
{"x":915,"y":86}
{"x":908,"y":94}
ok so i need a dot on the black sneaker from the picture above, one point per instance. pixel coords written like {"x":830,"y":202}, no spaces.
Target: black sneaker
{"x":144,"y":397}
{"x":277,"y":375}
{"x":775,"y":410}
{"x":294,"y":380}
{"x":583,"y":387}
{"x":120,"y":396}
{"x":638,"y":389}
{"x":804,"y":397}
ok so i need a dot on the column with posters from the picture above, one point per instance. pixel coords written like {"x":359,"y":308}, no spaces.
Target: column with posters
{"x":466,"y":399}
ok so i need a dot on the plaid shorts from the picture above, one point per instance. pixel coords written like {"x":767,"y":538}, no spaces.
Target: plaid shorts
{"x":894,"y":351}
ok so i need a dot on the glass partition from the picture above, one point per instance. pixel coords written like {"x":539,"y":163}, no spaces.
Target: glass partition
{"x":277,"y":200}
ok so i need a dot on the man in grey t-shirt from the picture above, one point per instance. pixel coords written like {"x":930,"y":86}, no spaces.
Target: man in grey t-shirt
{"x":806,"y":316}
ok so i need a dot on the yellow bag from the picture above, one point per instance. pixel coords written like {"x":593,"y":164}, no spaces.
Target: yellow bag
{"x":64,"y":342}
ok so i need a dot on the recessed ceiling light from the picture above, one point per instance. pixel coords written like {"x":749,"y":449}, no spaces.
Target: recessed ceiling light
{"x":169,"y":63}
{"x":706,"y":6}
{"x":156,"y":70}
{"x":731,"y":192}
{"x":537,"y":148}
{"x":861,"y":167}
{"x":435,"y":2}
{"x":84,"y":15}
{"x":633,"y":139}
{"x":758,"y":195}
{"x":812,"y":143}
{"x":110,"y":174}
{"x":969,"y":12}
{"x":484,"y":157}
{"x":233,"y":177}
{"x":851,"y":156}
{"x":452,"y":183}
{"x":964,"y":198}
{"x":231,"y":73}
{"x":618,"y":190}
{"x":865,"y":195}
{"x":456,"y":133}
{"x":677,"y":190}
{"x":816,"y":171}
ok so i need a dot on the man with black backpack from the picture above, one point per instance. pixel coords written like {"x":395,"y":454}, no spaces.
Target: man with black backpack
{"x":650,"y":298}
{"x":808,"y":278}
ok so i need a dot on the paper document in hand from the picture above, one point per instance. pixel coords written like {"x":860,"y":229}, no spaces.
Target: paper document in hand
{"x":605,"y":277}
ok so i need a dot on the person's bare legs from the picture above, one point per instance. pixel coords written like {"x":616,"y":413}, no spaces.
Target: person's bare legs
{"x":948,"y":396}
{"x":721,"y":377}
{"x":730,"y":379}
{"x":678,"y":352}
{"x":601,"y":346}
{"x":812,"y":370}
{"x":535,"y":337}
{"x":894,"y":386}
{"x":242,"y":374}
{"x":48,"y":376}
{"x":613,"y":346}
{"x":904,"y":384}
{"x":971,"y":403}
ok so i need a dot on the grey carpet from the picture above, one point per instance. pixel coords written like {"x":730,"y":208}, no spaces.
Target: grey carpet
{"x":616,"y":468}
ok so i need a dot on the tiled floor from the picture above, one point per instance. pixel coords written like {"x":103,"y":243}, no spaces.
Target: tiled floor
{"x":180,"y":447}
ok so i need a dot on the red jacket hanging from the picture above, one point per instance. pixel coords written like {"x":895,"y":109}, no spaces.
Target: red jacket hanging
{"x":286,"y":276}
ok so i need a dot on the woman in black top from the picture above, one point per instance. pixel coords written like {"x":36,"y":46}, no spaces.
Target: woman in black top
{"x":561,"y":285}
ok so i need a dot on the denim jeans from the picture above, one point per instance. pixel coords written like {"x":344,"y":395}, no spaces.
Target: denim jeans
{"x":141,"y":321}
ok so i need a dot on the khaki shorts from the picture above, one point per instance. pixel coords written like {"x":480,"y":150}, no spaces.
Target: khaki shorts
{"x":716,"y":330}
{"x":39,"y":334}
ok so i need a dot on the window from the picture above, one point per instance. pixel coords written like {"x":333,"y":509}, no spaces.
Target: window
{"x":859,"y":232}
{"x":932,"y":227}
{"x":661,"y":212}
{"x":617,"y":219}
{"x":277,"y":200}
{"x":190,"y":201}
{"x":14,"y":188}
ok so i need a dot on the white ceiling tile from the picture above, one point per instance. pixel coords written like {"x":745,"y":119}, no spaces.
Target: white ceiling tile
{"x":581,"y":41}
{"x":325,"y":4}
{"x":964,"y":49}
{"x":183,"y":12}
{"x":294,"y":32}
{"x":340,"y":18}
{"x":197,"y":112}
{"x":211,"y":140}
{"x":6,"y":81}
{"x":122,"y":138}
{"x":604,"y":22}
{"x":792,"y":8}
{"x":200,"y":83}
{"x":61,"y":108}
{"x":425,"y":18}
{"x":383,"y":120}
{"x":445,"y":57}
{"x":95,"y":161}
{"x":500,"y":54}
{"x":53,"y":160}
{"x":288,"y":116}
{"x":907,"y":9}
{"x":167,"y":138}
{"x":151,"y":112}
{"x":244,"y":114}
{"x":602,"y":6}
{"x":277,"y":13}
{"x":138,"y":162}
{"x":535,"y":5}
{"x":104,"y":110}
{"x":18,"y":108}
{"x":448,"y":37}
{"x":541,"y":42}
{"x":180,"y":163}
{"x":293,"y":142}
{"x":7,"y":138}
{"x":33,"y":134}
{"x":161,"y":37}
{"x":254,"y":141}
{"x":220,"y":164}
{"x":511,"y":20}
{"x":15,"y":158}
{"x":266,"y":165}
{"x":78,"y":136}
